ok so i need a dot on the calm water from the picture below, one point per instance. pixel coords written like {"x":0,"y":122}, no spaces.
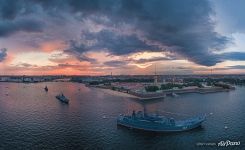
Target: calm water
{"x":33,"y":119}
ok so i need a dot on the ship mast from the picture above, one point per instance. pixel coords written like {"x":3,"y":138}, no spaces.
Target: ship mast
{"x":155,"y":76}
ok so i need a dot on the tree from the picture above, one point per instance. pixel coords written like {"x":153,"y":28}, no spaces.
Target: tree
{"x":151,"y":88}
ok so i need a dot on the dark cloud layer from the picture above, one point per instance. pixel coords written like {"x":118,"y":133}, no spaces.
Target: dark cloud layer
{"x":185,"y":25}
{"x":27,"y":25}
{"x":181,"y":27}
{"x":3,"y":54}
{"x":10,"y":8}
{"x":19,"y":15}
{"x":114,"y":43}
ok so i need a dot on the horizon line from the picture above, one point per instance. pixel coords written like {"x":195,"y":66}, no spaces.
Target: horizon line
{"x":131,"y":75}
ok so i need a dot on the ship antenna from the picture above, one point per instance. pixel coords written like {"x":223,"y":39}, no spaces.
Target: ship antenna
{"x":155,"y":70}
{"x":145,"y":113}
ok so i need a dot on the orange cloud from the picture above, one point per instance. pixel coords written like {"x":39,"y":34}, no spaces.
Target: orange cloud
{"x":52,"y":46}
{"x":82,"y":68}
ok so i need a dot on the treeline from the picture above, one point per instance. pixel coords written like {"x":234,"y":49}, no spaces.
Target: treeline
{"x":169,"y":86}
{"x":107,"y":81}
{"x":212,"y":81}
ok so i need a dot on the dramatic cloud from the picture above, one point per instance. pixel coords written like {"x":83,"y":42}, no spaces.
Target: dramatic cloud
{"x":121,"y":27}
{"x":14,"y":17}
{"x":115,"y":43}
{"x":185,"y":25}
{"x":3,"y":54}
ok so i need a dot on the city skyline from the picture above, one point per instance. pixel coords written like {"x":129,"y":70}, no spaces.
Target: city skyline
{"x":124,"y":37}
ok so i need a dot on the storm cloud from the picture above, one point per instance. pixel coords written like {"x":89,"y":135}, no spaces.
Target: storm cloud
{"x":116,"y":44}
{"x":185,"y":25}
{"x":123,"y":27}
{"x":15,"y":16}
{"x":9,"y":9}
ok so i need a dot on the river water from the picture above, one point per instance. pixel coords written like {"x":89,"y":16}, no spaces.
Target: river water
{"x":30,"y":118}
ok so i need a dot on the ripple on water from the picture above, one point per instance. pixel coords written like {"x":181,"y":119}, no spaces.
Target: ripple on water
{"x":33,"y":119}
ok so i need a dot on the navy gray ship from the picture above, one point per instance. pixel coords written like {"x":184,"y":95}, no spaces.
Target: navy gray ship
{"x":62,"y":98}
{"x":46,"y":88}
{"x":143,"y":121}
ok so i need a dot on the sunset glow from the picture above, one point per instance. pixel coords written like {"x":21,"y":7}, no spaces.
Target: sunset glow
{"x":84,"y":40}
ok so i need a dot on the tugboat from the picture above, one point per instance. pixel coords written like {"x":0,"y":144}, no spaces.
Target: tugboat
{"x":156,"y":123}
{"x":62,"y":98}
{"x":46,"y":88}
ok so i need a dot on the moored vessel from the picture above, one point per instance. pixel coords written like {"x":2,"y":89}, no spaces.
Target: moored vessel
{"x":143,"y":121}
{"x":46,"y":88}
{"x":62,"y":98}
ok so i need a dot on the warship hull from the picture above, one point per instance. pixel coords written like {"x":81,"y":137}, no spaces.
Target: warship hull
{"x":160,"y":126}
{"x":62,"y":99}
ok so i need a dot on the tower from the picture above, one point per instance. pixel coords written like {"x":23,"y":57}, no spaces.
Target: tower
{"x":155,"y":77}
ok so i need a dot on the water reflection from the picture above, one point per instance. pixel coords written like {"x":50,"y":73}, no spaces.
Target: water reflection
{"x":34,"y":119}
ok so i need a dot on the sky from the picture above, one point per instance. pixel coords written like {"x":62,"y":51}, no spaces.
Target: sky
{"x":122,"y":37}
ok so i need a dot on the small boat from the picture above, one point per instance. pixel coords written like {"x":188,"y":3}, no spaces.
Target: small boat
{"x":62,"y":98}
{"x":175,"y":95}
{"x":46,"y":88}
{"x":156,"y":123}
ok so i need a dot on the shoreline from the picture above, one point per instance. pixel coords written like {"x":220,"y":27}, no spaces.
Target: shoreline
{"x":117,"y":93}
{"x":147,"y":95}
{"x":163,"y":94}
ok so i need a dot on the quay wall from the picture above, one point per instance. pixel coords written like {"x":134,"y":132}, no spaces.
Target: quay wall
{"x":163,"y":93}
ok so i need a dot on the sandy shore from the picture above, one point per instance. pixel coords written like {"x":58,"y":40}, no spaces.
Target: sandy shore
{"x":116,"y":93}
